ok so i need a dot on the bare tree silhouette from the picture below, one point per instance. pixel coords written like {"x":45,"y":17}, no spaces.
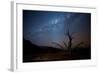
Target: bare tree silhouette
{"x":70,"y":40}
{"x":67,"y":44}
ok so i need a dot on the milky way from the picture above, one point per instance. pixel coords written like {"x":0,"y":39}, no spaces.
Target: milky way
{"x":44,"y":27}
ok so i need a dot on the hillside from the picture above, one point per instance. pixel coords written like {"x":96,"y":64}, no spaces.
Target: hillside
{"x":34,"y":53}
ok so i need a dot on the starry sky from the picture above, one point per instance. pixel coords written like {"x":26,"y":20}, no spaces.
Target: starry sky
{"x":44,"y":27}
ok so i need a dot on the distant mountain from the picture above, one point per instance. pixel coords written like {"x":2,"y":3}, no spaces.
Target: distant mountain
{"x":29,"y":48}
{"x":34,"y":53}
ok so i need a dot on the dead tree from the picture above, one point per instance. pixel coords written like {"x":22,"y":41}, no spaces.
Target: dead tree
{"x":69,"y":41}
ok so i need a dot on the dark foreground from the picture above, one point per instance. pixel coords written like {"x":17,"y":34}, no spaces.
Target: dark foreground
{"x":34,"y":53}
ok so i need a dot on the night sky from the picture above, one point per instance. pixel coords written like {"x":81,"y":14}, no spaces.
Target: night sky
{"x":44,"y":27}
